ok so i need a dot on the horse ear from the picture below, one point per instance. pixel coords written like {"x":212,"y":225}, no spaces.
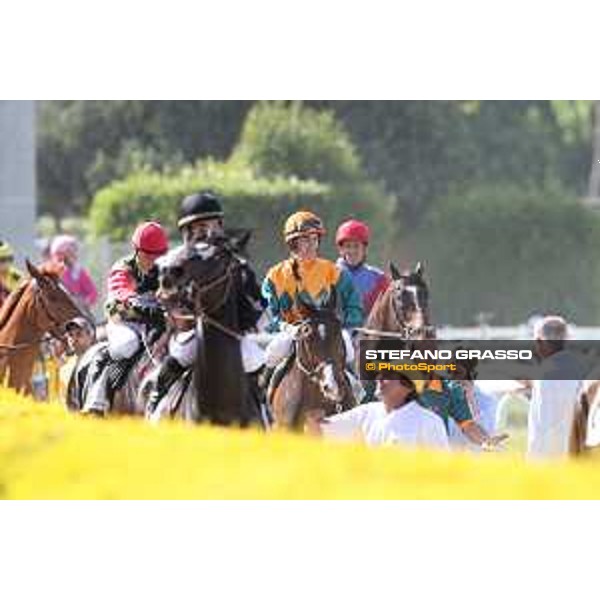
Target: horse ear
{"x":33,"y":270}
{"x":241,"y":242}
{"x":395,"y":272}
{"x":419,"y":269}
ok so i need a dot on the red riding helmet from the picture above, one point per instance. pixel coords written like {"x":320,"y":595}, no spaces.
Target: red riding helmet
{"x":151,"y":238}
{"x":352,"y":230}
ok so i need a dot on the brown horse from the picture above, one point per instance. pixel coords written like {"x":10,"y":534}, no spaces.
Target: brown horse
{"x":41,"y":305}
{"x":316,"y":380}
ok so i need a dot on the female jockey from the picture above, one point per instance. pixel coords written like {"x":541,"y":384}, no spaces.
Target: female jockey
{"x":9,"y":276}
{"x":132,"y":312}
{"x":304,"y":276}
{"x":201,"y":217}
{"x":352,"y":240}
{"x":64,"y":250}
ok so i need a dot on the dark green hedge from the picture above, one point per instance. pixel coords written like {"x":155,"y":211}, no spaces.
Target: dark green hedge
{"x":512,"y":252}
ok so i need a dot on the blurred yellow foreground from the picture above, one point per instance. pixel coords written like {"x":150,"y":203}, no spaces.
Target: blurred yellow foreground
{"x":46,"y":453}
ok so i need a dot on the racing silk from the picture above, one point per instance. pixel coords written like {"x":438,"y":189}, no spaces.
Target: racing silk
{"x":368,"y":281}
{"x":316,"y":280}
{"x":447,"y":399}
{"x":78,"y":281}
{"x":126,"y":281}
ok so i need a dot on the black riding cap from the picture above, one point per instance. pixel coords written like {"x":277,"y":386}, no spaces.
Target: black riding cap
{"x":197,"y":207}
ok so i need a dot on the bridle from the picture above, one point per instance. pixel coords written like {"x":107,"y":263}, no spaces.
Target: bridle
{"x":314,"y":374}
{"x":401,"y":331}
{"x":53,"y":332}
{"x":202,"y":313}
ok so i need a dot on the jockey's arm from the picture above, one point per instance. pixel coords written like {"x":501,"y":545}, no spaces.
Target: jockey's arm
{"x":121,"y":287}
{"x":351,"y":302}
{"x":269,"y":294}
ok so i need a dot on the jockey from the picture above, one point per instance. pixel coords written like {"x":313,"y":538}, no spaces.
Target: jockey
{"x":9,"y":276}
{"x":352,"y":240}
{"x":133,"y":314}
{"x":304,"y":276}
{"x":64,"y":250}
{"x":201,"y":217}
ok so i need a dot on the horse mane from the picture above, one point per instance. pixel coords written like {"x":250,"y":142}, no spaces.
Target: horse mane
{"x":382,"y":315}
{"x":51,"y":269}
{"x":12,"y":302}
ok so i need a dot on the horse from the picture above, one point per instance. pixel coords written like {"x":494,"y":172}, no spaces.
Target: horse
{"x":400,"y":312}
{"x":209,"y":285}
{"x":39,"y":306}
{"x":314,"y":380}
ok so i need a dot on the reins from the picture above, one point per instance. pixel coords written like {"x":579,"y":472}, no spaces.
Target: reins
{"x":313,"y":374}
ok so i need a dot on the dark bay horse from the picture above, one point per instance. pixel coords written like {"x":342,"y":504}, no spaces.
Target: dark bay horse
{"x":316,"y":379}
{"x":210,"y":285}
{"x":41,"y":305}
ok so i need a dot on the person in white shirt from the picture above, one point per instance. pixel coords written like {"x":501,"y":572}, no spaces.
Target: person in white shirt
{"x":554,"y":394}
{"x":396,"y":419}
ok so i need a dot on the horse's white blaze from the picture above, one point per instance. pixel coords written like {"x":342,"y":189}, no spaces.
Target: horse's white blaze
{"x":322,"y":331}
{"x":329,"y":383}
{"x":205,"y":250}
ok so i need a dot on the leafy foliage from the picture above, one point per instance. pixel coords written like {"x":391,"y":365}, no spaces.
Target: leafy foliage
{"x":295,"y":140}
{"x":511,"y":251}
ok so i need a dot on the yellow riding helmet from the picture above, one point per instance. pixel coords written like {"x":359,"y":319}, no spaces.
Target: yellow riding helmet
{"x":6,"y":251}
{"x":302,"y":223}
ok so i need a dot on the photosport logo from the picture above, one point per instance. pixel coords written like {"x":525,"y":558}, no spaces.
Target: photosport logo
{"x":475,"y":359}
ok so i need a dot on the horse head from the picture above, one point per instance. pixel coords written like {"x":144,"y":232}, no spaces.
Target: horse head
{"x":321,"y":352}
{"x":55,"y":305}
{"x":411,"y":298}
{"x":197,"y":274}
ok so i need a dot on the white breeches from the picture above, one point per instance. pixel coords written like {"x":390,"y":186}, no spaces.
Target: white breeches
{"x":280,"y":347}
{"x":124,"y":339}
{"x":183,"y":347}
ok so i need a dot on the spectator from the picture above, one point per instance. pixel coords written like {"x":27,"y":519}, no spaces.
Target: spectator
{"x":554,"y":394}
{"x":396,"y":419}
{"x":77,"y":280}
